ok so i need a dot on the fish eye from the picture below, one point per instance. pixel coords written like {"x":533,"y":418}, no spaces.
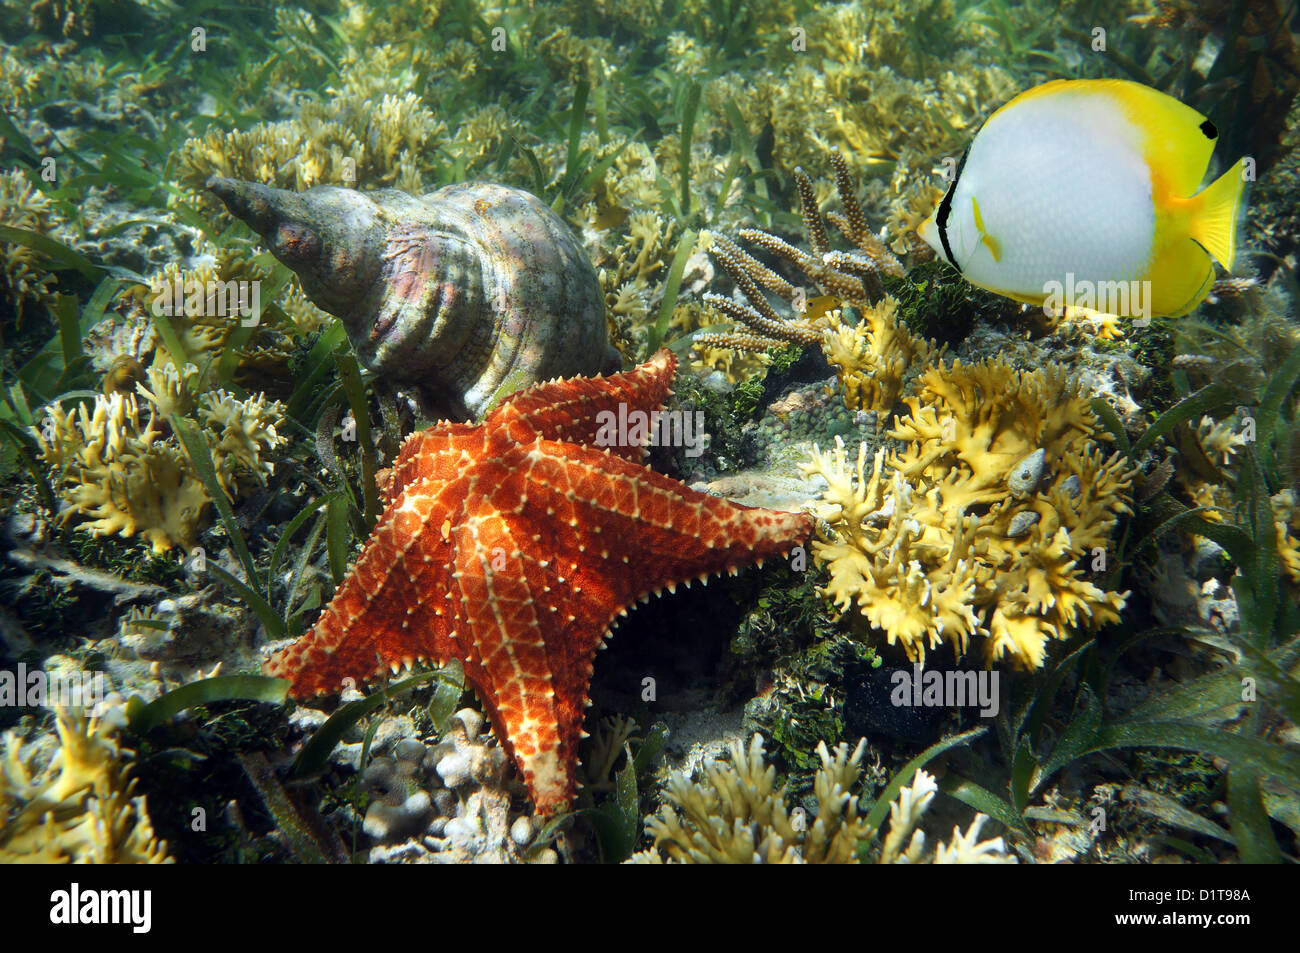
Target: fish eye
{"x":1207,"y":127}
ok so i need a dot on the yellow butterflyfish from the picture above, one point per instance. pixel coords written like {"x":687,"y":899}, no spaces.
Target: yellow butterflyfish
{"x":1084,"y":193}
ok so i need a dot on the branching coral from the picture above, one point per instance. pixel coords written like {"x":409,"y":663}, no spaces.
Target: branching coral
{"x":70,"y":18}
{"x":243,"y":430}
{"x":868,"y":86}
{"x":79,"y":808}
{"x":872,"y":357}
{"x":170,"y":390}
{"x":737,"y":815}
{"x":19,"y":80}
{"x":207,"y":303}
{"x":842,"y":277}
{"x":576,"y":57}
{"x":372,"y":132}
{"x":979,"y":524}
{"x":1286,"y":521}
{"x":630,"y":184}
{"x":1220,"y":439}
{"x":631,"y":276}
{"x":905,"y":813}
{"x":127,"y":477}
{"x":122,"y":475}
{"x":22,"y":206}
{"x":914,"y":197}
{"x":407,"y":22}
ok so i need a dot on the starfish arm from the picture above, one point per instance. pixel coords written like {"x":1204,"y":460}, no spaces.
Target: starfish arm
{"x":596,"y":533}
{"x":392,"y":608}
{"x":514,"y":546}
{"x":502,"y":586}
{"x":441,"y":452}
{"x":573,"y":410}
{"x":627,"y":531}
{"x":541,"y":583}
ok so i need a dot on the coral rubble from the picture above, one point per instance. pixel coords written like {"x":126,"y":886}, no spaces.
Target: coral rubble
{"x":449,"y":802}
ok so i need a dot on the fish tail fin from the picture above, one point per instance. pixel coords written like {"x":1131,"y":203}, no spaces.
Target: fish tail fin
{"x":1218,"y":209}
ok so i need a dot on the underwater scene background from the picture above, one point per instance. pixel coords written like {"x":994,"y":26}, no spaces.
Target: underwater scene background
{"x":366,"y":366}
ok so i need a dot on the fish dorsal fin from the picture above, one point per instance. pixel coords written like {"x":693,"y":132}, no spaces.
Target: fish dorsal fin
{"x":1045,"y":90}
{"x":1176,"y":140}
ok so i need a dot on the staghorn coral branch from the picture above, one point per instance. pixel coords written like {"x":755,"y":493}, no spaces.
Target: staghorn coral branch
{"x":868,"y":284}
{"x":759,"y":314}
{"x":857,"y":222}
{"x":745,"y":314}
{"x":737,"y":341}
{"x":852,"y":277}
{"x":764,"y":276}
{"x":786,"y":252}
{"x":812,"y":216}
{"x":854,"y":224}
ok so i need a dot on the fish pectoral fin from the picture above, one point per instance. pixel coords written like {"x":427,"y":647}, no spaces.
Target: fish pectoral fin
{"x":1217,"y":212}
{"x":993,"y":245}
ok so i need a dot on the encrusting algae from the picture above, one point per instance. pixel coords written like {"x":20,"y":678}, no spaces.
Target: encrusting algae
{"x":986,"y":521}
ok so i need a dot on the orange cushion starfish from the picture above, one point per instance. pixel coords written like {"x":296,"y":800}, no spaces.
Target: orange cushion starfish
{"x":514,"y":546}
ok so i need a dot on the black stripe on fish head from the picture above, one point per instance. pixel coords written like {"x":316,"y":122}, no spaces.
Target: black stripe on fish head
{"x":945,"y":210}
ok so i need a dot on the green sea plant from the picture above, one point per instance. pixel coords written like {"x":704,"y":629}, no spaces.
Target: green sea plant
{"x":315,"y":753}
{"x":617,"y":819}
{"x":143,"y":717}
{"x":203,"y":743}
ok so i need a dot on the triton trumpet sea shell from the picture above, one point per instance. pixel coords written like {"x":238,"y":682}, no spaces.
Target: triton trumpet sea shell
{"x":468,"y":293}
